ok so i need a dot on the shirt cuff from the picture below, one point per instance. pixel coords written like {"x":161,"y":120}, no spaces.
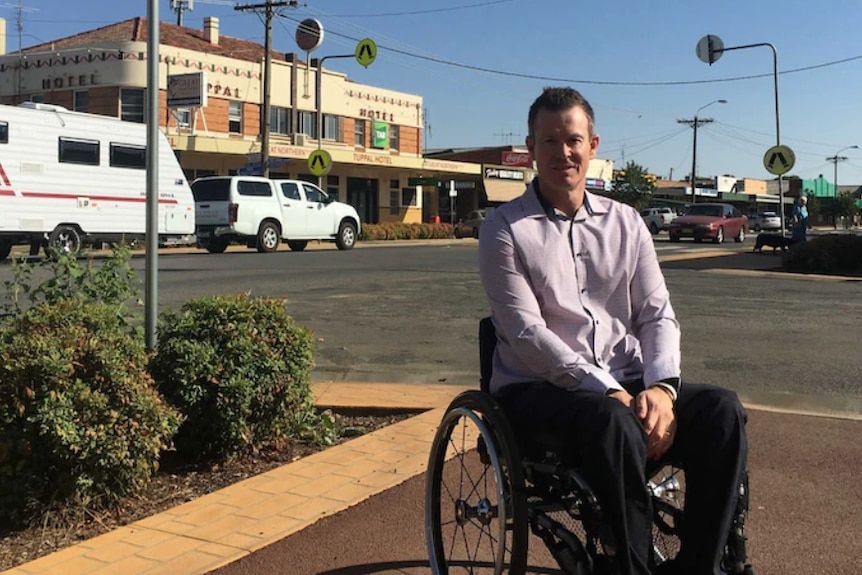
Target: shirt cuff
{"x":671,"y":385}
{"x":599,"y":381}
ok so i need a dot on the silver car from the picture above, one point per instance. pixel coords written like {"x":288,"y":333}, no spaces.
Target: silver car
{"x":765,"y":221}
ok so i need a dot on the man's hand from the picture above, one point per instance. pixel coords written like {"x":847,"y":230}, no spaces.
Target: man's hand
{"x":654,"y":408}
{"x":623,"y":396}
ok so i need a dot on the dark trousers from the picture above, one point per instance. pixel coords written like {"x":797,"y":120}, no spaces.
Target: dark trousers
{"x":609,"y":447}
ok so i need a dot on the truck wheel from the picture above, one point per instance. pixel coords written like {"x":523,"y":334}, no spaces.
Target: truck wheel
{"x":297,"y":245}
{"x":216,"y":245}
{"x":268,"y":238}
{"x":65,"y":240}
{"x":653,"y":228}
{"x":5,"y":249}
{"x":346,"y":236}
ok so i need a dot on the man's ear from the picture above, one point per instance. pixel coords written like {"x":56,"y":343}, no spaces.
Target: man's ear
{"x":528,"y":141}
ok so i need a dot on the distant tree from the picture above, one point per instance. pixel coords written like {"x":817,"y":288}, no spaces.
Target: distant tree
{"x":815,"y":206}
{"x":633,"y":186}
{"x":842,"y":206}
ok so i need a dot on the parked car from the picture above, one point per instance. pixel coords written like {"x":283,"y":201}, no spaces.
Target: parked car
{"x":765,"y":221}
{"x":262,"y":213}
{"x":709,"y":221}
{"x":657,"y":219}
{"x":469,"y":226}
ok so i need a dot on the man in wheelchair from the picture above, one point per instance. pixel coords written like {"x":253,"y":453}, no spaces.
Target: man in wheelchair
{"x":588,"y":350}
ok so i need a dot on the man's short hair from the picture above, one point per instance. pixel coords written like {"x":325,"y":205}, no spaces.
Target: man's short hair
{"x":559,"y":99}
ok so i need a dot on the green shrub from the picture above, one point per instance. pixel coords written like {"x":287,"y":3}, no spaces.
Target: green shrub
{"x":402,"y":231}
{"x":80,"y":421}
{"x":238,"y":368}
{"x":830,"y":254}
{"x":112,"y":283}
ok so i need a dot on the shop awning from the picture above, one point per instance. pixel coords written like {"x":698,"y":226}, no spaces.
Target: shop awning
{"x":499,"y":191}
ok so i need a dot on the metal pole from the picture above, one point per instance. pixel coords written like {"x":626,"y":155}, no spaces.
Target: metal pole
{"x":318,"y":102}
{"x":151,"y":296}
{"x":267,"y":83}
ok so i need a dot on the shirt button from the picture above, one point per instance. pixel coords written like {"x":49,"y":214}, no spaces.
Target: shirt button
{"x":584,"y":290}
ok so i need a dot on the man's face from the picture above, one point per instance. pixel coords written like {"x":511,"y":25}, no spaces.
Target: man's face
{"x":562,"y":148}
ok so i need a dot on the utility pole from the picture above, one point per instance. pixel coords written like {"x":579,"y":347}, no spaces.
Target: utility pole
{"x":694,"y":123}
{"x":179,"y":6}
{"x":269,"y":11}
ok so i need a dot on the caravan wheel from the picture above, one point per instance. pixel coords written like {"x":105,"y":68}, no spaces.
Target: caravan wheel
{"x":65,"y":240}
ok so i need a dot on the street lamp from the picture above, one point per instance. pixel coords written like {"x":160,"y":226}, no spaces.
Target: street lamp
{"x":694,"y":123}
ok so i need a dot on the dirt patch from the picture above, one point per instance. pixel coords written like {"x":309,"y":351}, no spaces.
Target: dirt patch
{"x":176,"y":482}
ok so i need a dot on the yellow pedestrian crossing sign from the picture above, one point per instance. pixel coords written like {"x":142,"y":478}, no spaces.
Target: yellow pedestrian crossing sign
{"x":779,"y":160}
{"x":319,"y":163}
{"x":366,"y":52}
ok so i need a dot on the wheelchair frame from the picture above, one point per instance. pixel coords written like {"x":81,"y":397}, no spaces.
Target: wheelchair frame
{"x":487,"y":487}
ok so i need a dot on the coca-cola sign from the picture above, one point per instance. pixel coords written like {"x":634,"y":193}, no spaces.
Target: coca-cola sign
{"x":520,"y":159}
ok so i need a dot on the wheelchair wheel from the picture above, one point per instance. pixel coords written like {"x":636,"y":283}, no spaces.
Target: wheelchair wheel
{"x":667,"y":486}
{"x":475,"y":508}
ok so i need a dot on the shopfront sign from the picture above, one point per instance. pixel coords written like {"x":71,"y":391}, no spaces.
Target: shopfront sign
{"x":519,"y":159}
{"x":496,"y":173}
{"x":380,"y":135}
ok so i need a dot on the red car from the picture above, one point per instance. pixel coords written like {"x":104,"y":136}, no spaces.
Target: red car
{"x":709,"y":221}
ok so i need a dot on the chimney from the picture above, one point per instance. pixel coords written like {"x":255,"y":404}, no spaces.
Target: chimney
{"x":211,"y":29}
{"x":2,"y":37}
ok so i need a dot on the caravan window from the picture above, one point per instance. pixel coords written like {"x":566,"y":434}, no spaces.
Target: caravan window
{"x":4,"y":133}
{"x":123,"y":156}
{"x":79,"y":151}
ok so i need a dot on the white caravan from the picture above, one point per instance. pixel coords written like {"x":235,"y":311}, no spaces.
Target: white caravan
{"x":68,"y":178}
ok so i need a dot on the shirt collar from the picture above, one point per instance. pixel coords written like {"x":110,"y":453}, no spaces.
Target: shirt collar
{"x":537,"y":205}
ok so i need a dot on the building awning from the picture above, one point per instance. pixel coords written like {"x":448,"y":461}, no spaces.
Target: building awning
{"x":500,"y":191}
{"x":734,"y":197}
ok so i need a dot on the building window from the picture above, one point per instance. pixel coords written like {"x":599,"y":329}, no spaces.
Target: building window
{"x":79,"y":151}
{"x":393,"y":203}
{"x":82,"y":101}
{"x":4,"y":133}
{"x":126,"y":156}
{"x":393,"y":137}
{"x":394,"y":184}
{"x":408,"y":197}
{"x":38,"y":98}
{"x":307,"y":124}
{"x":279,"y":120}
{"x":234,"y":118}
{"x":132,"y":105}
{"x":359,"y":133}
{"x":331,"y":127}
{"x":332,"y":187}
{"x":184,"y":118}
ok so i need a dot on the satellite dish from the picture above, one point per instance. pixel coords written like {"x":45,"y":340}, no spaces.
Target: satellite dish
{"x":309,"y":34}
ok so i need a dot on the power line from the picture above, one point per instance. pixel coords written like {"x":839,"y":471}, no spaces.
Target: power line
{"x":430,"y":11}
{"x":592,"y":82}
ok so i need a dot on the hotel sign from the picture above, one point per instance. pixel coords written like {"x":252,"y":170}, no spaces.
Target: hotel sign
{"x":187,"y":90}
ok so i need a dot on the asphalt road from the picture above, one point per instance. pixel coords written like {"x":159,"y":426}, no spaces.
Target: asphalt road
{"x":409,"y":313}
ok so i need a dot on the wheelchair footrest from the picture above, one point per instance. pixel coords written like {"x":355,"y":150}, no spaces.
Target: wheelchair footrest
{"x":565,"y":547}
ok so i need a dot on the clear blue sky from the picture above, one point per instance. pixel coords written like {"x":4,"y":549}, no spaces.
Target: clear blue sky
{"x":582,"y":44}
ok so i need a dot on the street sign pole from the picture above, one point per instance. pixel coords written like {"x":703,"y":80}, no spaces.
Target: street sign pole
{"x":709,"y":49}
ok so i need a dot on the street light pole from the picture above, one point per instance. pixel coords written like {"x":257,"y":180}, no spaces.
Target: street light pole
{"x":694,"y":124}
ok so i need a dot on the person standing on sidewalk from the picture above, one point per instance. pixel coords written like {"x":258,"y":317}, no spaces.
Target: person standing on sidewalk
{"x":800,"y":220}
{"x":589,"y":347}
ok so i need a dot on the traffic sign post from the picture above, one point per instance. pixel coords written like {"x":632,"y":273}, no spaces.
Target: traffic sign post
{"x":319,"y":163}
{"x":366,"y":52}
{"x":779,"y":160}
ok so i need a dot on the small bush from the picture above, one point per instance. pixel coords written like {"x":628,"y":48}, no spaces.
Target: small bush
{"x":238,"y":368}
{"x":839,"y":254}
{"x":80,"y":421}
{"x":401,"y":231}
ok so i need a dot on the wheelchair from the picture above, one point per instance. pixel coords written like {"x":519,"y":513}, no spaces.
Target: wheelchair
{"x":486,"y":486}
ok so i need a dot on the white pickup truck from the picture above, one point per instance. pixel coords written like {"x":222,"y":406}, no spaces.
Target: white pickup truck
{"x":262,"y":213}
{"x":657,"y":219}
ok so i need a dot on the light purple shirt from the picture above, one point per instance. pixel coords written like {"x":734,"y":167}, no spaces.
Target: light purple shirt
{"x":582,"y":302}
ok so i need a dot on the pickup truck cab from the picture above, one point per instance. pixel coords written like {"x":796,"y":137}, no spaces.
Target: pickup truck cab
{"x":262,"y":212}
{"x":657,"y":219}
